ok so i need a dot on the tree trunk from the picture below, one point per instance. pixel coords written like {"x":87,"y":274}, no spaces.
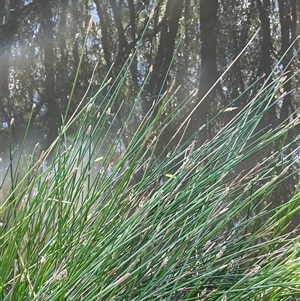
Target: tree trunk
{"x":52,"y":115}
{"x":208,"y":74}
{"x":286,"y":23}
{"x":165,"y":51}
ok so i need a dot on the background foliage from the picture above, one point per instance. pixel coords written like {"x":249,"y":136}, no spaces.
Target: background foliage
{"x":41,"y":42}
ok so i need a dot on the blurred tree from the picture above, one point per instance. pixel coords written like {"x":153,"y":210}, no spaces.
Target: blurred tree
{"x":208,"y":72}
{"x":49,"y":96}
{"x":41,"y":43}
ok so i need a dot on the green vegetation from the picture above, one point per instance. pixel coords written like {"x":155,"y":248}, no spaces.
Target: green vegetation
{"x":134,"y":223}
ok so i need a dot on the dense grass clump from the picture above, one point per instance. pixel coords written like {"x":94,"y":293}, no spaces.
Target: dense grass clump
{"x":105,"y":220}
